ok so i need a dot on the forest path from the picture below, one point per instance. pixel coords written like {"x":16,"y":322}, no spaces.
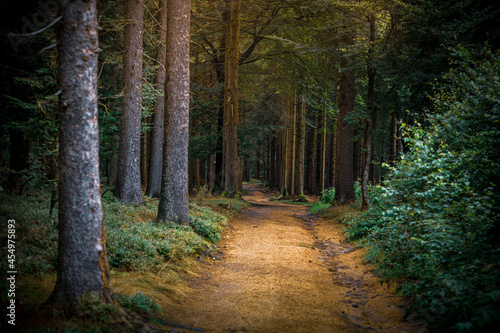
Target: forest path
{"x":286,"y":270}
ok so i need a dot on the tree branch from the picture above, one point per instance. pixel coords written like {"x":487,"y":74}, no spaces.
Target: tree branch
{"x":38,"y":31}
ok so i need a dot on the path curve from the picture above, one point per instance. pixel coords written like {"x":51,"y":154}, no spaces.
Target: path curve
{"x":286,"y":270}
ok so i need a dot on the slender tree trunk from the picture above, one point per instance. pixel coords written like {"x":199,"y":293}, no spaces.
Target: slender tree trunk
{"x":231,"y":103}
{"x":157,"y":130}
{"x":82,"y":260}
{"x":174,"y":197}
{"x":272,"y":162}
{"x":256,"y":162}
{"x":322,"y":152}
{"x":312,"y":186}
{"x":300,"y":146}
{"x":128,"y":178}
{"x":393,"y":139}
{"x":290,"y":145}
{"x":220,"y":70}
{"x":371,"y":119}
{"x":345,"y":179}
{"x":211,"y":172}
{"x":279,"y":160}
{"x":144,"y":156}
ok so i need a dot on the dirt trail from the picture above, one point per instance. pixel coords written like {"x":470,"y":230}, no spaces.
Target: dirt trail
{"x":286,"y":270}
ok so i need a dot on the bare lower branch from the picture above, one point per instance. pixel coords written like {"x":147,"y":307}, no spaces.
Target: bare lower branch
{"x":38,"y":31}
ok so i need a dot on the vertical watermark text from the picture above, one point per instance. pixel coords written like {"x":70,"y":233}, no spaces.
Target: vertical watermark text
{"x":11,"y":272}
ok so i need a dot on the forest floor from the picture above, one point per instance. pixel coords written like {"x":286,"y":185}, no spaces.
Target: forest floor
{"x":284,"y":269}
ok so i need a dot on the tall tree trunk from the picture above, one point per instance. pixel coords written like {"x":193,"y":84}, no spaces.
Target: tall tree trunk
{"x":300,"y":145}
{"x":157,"y":130}
{"x":231,"y":103}
{"x":272,"y":162}
{"x":344,"y":192}
{"x":256,"y":163}
{"x":371,"y":119}
{"x":128,"y":178}
{"x":334,"y":156}
{"x":82,"y":260}
{"x":174,"y":197}
{"x":312,"y":185}
{"x":393,"y":141}
{"x":279,"y":160}
{"x":290,"y":147}
{"x":144,"y":156}
{"x":322,"y":152}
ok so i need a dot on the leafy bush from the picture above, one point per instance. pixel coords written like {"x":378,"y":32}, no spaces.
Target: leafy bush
{"x":327,"y":196}
{"x":206,"y":222}
{"x":435,"y":223}
{"x":138,"y":303}
{"x":319,"y":207}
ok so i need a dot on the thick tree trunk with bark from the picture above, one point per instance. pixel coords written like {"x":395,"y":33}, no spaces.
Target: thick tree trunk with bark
{"x":231,"y":103}
{"x":157,"y":130}
{"x":82,"y":260}
{"x":174,"y":197}
{"x":344,"y":191}
{"x":128,"y":178}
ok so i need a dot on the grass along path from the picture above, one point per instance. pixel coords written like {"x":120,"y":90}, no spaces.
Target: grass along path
{"x":286,"y":270}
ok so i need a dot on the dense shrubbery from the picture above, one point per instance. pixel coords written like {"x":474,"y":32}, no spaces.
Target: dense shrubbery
{"x":435,"y":222}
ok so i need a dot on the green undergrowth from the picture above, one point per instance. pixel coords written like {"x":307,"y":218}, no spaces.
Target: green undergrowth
{"x":134,"y":240}
{"x":147,"y":259}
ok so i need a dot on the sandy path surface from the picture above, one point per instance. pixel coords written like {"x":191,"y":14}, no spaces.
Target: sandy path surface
{"x":286,"y":270}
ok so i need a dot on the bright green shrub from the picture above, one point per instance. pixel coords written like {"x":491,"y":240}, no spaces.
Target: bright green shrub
{"x":206,"y":222}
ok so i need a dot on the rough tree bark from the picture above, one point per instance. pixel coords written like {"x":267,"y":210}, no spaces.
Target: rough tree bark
{"x":344,"y":191}
{"x":82,"y":261}
{"x":156,"y":157}
{"x":128,"y":178}
{"x":174,"y":197}
{"x":231,"y":103}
